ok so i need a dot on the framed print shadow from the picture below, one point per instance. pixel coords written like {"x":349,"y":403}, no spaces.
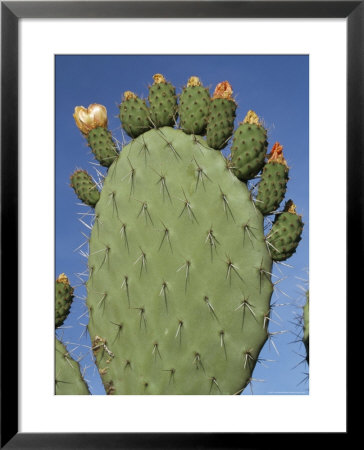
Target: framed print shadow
{"x":190,"y":212}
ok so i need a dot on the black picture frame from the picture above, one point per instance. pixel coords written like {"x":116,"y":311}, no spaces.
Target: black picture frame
{"x":11,"y":12}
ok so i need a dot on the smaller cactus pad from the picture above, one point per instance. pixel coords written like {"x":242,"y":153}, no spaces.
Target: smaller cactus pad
{"x":102,"y":146}
{"x":85,"y":188}
{"x":273,"y":183}
{"x":134,"y":115}
{"x":194,"y":106}
{"x":64,"y":298}
{"x":221,"y":117}
{"x":286,"y":233}
{"x":163,"y":102}
{"x":249,"y":147}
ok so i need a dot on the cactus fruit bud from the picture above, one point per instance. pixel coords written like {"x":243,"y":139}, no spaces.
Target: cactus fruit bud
{"x":273,"y":182}
{"x":134,"y":115}
{"x":249,"y":147}
{"x":88,"y":119}
{"x":163,"y":110}
{"x":64,"y":298}
{"x":194,"y":107}
{"x":223,"y":90}
{"x":221,"y":118}
{"x":286,"y":233}
{"x":85,"y":188}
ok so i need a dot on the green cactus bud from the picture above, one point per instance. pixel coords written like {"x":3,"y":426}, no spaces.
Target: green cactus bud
{"x":221,"y":116}
{"x":286,"y":233}
{"x":134,"y":115}
{"x":194,"y":106}
{"x":273,"y":182}
{"x":64,"y":299}
{"x":249,"y":147}
{"x":85,"y":188}
{"x":102,"y":146}
{"x":163,"y":102}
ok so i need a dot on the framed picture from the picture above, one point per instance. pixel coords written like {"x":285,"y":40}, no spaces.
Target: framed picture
{"x":293,"y":72}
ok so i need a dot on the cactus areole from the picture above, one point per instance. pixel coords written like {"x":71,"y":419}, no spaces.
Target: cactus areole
{"x":179,"y":284}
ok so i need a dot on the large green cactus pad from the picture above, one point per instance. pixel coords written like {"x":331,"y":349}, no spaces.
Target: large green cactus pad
{"x":179,"y":285}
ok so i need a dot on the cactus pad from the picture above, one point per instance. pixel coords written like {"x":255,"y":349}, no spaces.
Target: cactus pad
{"x":163,"y":102}
{"x":102,"y":146}
{"x":179,"y":292}
{"x":134,"y":115}
{"x":64,"y":299}
{"x":249,"y":147}
{"x":194,"y":106}
{"x":273,"y":182}
{"x":285,"y":233}
{"x":85,"y":188}
{"x":68,"y":378}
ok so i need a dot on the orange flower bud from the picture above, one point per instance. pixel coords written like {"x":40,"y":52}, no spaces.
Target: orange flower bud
{"x":276,"y":154}
{"x":223,"y":90}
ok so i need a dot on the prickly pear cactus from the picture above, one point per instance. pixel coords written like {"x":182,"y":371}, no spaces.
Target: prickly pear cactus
{"x":68,"y":378}
{"x":179,"y":284}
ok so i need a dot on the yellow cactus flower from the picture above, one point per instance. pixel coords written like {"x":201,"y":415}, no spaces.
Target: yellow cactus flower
{"x":62,"y":278}
{"x":252,"y":118}
{"x":158,"y":78}
{"x":88,"y":119}
{"x":193,"y":81}
{"x":129,"y":95}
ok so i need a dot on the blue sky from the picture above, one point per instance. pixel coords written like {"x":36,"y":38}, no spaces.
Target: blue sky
{"x":276,"y":87}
